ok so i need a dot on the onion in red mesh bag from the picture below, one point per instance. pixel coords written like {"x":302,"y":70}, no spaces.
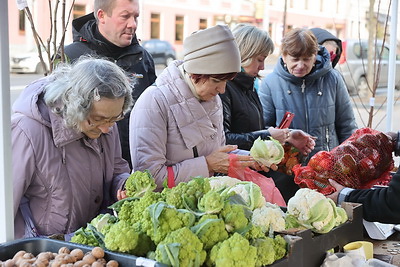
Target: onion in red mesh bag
{"x":363,"y":160}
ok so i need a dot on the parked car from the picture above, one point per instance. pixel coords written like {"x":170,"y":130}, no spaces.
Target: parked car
{"x":162,"y":51}
{"x":26,"y":63}
{"x":353,"y":65}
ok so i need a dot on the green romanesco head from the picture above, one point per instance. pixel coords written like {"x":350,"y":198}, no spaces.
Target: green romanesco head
{"x":186,"y":194}
{"x":132,"y":211}
{"x":210,"y":231}
{"x":159,"y":219}
{"x":212,"y":202}
{"x":234,"y":216}
{"x":265,"y":251}
{"x":121,"y":237}
{"x":181,"y":248}
{"x":139,"y":183}
{"x":280,"y":247}
{"x":234,"y":251}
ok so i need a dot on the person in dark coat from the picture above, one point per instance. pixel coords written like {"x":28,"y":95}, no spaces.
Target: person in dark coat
{"x":330,"y":42}
{"x":110,"y":32}
{"x":243,"y":113}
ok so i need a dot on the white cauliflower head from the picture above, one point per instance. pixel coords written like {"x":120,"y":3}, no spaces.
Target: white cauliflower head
{"x":269,"y":217}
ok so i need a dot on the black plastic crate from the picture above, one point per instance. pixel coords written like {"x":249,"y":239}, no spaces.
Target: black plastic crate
{"x":37,"y":245}
{"x":310,"y":250}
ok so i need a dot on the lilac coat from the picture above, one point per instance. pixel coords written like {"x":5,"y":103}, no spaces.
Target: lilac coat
{"x":167,"y":121}
{"x":67,"y":177}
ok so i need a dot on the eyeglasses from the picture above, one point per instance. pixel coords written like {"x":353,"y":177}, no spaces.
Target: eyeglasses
{"x":97,"y":123}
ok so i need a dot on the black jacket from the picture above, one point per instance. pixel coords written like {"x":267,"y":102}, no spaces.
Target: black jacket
{"x":134,"y":59}
{"x":243,"y":113}
{"x":379,"y":205}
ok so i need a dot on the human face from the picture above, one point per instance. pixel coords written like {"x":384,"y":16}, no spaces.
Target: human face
{"x":120,"y":27}
{"x":210,"y":88}
{"x":102,"y":116}
{"x":299,"y":66}
{"x":257,"y":64}
{"x":332,"y":51}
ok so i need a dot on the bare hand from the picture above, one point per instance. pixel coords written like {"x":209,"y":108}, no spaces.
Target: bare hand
{"x":338,"y":187}
{"x":121,"y":194}
{"x":282,"y":135}
{"x":304,"y":142}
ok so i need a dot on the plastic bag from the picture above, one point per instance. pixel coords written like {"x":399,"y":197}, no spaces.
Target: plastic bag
{"x":270,"y":192}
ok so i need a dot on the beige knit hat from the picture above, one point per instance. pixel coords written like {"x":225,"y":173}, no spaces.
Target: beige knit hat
{"x":211,"y":51}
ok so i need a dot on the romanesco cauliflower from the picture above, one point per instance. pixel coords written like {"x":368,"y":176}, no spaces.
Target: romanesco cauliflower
{"x":181,"y":248}
{"x":234,"y":251}
{"x":210,"y":230}
{"x":265,"y":251}
{"x":186,"y":195}
{"x":234,"y":216}
{"x":161,"y":219}
{"x":132,"y":211}
{"x":212,"y":202}
{"x":121,"y":237}
{"x":139,"y":183}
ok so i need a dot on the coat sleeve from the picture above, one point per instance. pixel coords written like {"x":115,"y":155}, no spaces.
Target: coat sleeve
{"x":148,"y":142}
{"x":379,"y":205}
{"x":23,"y":154}
{"x":121,"y":167}
{"x":267,"y":102}
{"x":345,"y":122}
{"x":242,"y":140}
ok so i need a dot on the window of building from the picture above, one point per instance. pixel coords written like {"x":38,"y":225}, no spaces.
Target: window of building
{"x":179,"y":29}
{"x":21,"y":22}
{"x":78,"y":11}
{"x":203,"y":24}
{"x":155,"y":26}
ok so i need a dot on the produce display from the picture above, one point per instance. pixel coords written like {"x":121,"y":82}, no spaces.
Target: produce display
{"x":291,"y":158}
{"x":64,"y":257}
{"x":363,"y":160}
{"x":217,"y":221}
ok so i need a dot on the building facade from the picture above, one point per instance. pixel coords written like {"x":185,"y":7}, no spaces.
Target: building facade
{"x":174,"y":20}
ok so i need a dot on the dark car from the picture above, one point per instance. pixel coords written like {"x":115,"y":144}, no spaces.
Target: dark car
{"x":162,"y":51}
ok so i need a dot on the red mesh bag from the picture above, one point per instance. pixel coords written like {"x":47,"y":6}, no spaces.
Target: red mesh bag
{"x":363,"y":160}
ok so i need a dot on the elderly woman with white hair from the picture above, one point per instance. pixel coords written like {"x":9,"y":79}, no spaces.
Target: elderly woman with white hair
{"x":65,"y":138}
{"x":176,"y":127}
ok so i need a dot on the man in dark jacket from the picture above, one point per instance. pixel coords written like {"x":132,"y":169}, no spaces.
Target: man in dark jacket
{"x":110,"y":32}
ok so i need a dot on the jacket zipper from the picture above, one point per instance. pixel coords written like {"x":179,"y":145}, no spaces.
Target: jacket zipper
{"x":327,"y":138}
{"x":303,"y":87}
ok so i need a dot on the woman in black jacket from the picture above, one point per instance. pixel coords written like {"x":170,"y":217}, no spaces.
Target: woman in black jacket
{"x":243,"y":113}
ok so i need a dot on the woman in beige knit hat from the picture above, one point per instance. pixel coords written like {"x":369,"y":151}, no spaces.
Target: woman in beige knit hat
{"x":176,"y":126}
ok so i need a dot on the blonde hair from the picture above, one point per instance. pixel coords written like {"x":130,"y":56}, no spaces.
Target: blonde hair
{"x":252,"y":42}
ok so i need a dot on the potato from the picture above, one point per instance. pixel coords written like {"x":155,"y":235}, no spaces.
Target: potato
{"x":98,"y":252}
{"x":64,"y":250}
{"x":77,"y":253}
{"x":89,"y":258}
{"x":112,"y":263}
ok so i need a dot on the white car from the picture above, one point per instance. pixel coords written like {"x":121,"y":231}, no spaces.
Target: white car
{"x":27,"y":63}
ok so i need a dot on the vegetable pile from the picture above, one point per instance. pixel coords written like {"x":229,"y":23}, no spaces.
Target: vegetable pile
{"x":363,"y":160}
{"x":216,"y":221}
